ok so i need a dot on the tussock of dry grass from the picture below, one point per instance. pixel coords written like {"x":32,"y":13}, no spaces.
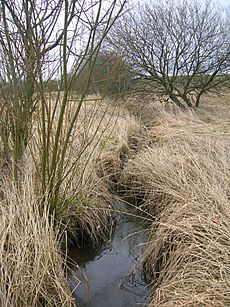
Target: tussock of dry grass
{"x":86,"y":206}
{"x":32,"y":269}
{"x":124,"y":140}
{"x":184,"y":180}
{"x":85,"y":201}
{"x":102,"y":135}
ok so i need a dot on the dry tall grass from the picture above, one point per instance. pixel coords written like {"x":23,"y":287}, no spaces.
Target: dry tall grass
{"x":98,"y":138}
{"x":179,"y":165}
{"x":32,"y":271}
{"x":184,"y":180}
{"x":32,"y":268}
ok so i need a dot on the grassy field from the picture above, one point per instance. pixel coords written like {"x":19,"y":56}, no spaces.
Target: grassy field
{"x":176,"y":163}
{"x":183,"y":178}
{"x":33,"y":242}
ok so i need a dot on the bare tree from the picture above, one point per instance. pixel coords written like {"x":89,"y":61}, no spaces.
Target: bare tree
{"x":181,"y":46}
{"x":28,"y":34}
{"x":41,"y":40}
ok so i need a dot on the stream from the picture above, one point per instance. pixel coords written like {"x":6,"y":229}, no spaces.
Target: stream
{"x":109,"y":276}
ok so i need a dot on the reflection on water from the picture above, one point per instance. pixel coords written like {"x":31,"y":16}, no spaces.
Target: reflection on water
{"x":106,"y":273}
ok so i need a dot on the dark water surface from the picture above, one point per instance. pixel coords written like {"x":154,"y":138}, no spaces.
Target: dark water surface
{"x":106,"y":273}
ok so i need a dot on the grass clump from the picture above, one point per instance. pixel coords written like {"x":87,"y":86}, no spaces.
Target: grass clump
{"x":32,"y":268}
{"x":32,"y":236}
{"x":183,"y":178}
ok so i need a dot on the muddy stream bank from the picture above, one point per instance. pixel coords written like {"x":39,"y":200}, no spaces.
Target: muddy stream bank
{"x":110,"y":275}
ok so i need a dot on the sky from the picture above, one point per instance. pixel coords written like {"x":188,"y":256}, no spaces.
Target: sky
{"x":222,"y":2}
{"x":225,"y":2}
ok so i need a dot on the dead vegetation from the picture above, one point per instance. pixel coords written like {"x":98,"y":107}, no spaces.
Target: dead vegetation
{"x":178,"y":166}
{"x":183,"y":178}
{"x":33,"y":268}
{"x":32,"y":272}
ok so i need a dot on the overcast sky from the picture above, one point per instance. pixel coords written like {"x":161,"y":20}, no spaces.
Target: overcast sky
{"x":222,"y":2}
{"x":225,"y":2}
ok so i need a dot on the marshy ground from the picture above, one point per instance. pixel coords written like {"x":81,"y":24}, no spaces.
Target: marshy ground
{"x":174,"y":164}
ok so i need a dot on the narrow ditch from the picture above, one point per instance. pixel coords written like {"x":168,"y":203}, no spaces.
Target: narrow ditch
{"x":110,"y":275}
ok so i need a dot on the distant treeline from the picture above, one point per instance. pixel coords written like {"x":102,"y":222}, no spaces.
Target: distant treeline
{"x":111,"y":76}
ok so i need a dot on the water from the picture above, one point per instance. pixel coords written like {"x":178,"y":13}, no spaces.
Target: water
{"x":106,"y":273}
